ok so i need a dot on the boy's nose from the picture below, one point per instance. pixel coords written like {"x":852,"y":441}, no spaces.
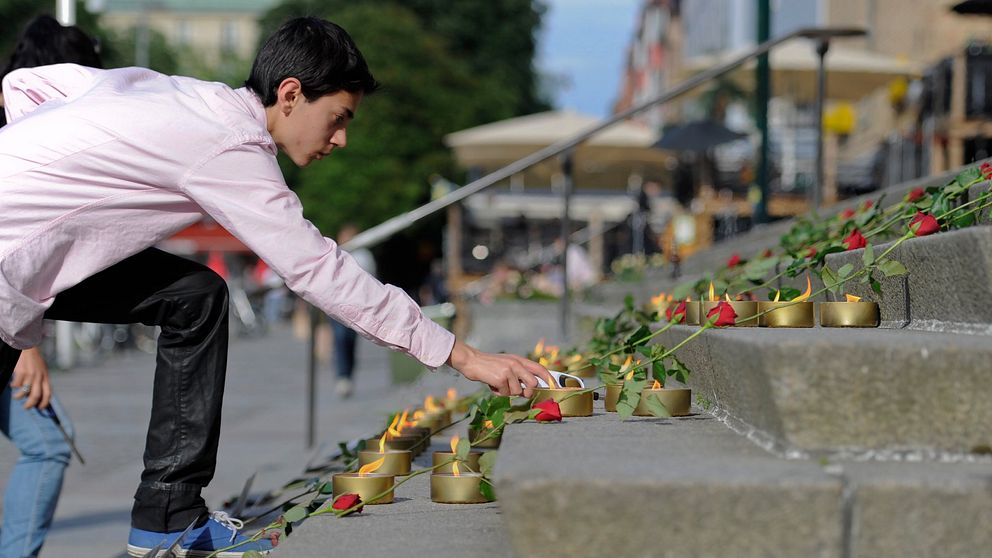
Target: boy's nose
{"x":339,"y":139}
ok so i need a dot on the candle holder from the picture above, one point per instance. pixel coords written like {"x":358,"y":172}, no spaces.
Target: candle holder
{"x":692,"y":313}
{"x":786,"y":314}
{"x":366,"y":486}
{"x":417,"y":432}
{"x":435,"y":420}
{"x":743,"y":308}
{"x":457,"y":489}
{"x":407,"y":443}
{"x":491,"y":443}
{"x":849,"y":314}
{"x":676,"y":400}
{"x":471,"y":464}
{"x":397,"y":462}
{"x":612,"y":397}
{"x":587,"y":371}
{"x":572,"y":404}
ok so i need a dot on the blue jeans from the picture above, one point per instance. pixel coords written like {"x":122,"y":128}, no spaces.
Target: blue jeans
{"x":345,"y":339}
{"x":34,"y":485}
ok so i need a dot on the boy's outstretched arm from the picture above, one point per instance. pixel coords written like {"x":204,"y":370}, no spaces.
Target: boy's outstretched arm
{"x":505,"y":374}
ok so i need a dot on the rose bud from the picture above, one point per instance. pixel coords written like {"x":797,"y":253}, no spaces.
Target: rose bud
{"x":550,"y":411}
{"x":915,"y":194}
{"x":734,"y":260}
{"x":725,"y":315}
{"x":811,"y":253}
{"x":924,"y":224}
{"x":855,"y":240}
{"x":678,"y":313}
{"x":347,"y":501}
{"x":847,"y":214}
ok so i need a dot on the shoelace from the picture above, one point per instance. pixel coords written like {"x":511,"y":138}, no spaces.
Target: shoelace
{"x":232,"y":523}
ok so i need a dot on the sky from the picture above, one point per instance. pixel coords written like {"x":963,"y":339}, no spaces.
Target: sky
{"x":585,"y":42}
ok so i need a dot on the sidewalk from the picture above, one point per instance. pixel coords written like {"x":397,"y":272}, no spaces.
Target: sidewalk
{"x":263,"y":432}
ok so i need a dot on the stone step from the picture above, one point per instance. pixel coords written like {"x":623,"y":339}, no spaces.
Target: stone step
{"x":853,"y":391}
{"x":600,"y":486}
{"x":948,"y":286}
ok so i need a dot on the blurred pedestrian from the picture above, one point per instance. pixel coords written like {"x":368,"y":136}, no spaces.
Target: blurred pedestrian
{"x":27,"y":403}
{"x":98,"y":166}
{"x":345,"y":338}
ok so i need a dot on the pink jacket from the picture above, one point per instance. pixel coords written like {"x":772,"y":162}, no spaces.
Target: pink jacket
{"x":97,"y":165}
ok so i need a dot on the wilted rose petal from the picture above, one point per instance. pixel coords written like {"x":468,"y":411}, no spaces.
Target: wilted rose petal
{"x":855,"y":240}
{"x":924,"y":224}
{"x":726,"y":316}
{"x":550,"y":411}
{"x":986,"y":170}
{"x":678,"y":313}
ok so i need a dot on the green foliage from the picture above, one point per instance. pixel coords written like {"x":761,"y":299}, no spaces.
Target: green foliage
{"x":487,"y":462}
{"x":654,"y":406}
{"x":296,"y":513}
{"x":462,"y":449}
{"x":630,"y":396}
{"x":486,"y":489}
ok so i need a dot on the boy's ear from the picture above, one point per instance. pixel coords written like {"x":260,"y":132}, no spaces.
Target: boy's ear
{"x":289,"y":93}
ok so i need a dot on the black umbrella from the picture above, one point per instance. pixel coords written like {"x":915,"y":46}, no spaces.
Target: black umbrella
{"x":973,"y":7}
{"x":701,"y":135}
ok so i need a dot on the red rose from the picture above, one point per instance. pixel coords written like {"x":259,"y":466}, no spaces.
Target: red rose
{"x":867,"y":205}
{"x":923,"y":224}
{"x":915,"y":194}
{"x":847,"y":214}
{"x":347,"y":501}
{"x":734,"y":260}
{"x":767,"y":253}
{"x":678,"y":313}
{"x":986,"y":170}
{"x":811,"y":253}
{"x":725,"y":314}
{"x":855,"y":240}
{"x":550,"y":411}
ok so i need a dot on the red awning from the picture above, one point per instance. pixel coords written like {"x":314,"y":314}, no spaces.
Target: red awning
{"x":204,"y":236}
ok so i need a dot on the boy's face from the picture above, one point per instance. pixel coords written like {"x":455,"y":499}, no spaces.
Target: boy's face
{"x":308,"y":131}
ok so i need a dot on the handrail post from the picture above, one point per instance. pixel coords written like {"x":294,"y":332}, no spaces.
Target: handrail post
{"x":567,"y":163}
{"x":311,"y":402}
{"x":822,"y":46}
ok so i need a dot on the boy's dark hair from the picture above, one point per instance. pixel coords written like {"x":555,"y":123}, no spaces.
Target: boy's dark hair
{"x":45,"y":41}
{"x":315,"y":51}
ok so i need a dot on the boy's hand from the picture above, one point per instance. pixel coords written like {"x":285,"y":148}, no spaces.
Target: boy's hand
{"x":31,"y":372}
{"x":505,"y":374}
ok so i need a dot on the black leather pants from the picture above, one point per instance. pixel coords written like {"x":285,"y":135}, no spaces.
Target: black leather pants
{"x":190,"y":303}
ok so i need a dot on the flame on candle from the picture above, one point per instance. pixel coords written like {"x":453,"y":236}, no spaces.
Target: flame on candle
{"x":626,"y":364}
{"x":777,"y":295}
{"x":488,"y":424}
{"x":391,"y":431}
{"x":852,"y":298}
{"x":552,"y":353}
{"x":688,"y":299}
{"x":809,"y":290}
{"x":452,"y":394}
{"x":543,"y":362}
{"x":430,"y":405}
{"x":417,"y":415}
{"x":539,"y":348}
{"x":454,"y":449}
{"x":553,"y":384}
{"x":656,"y":385}
{"x":402,"y":422}
{"x":574,"y":359}
{"x":713,"y":297}
{"x":727,"y":296}
{"x":657,"y":300}
{"x":371,"y":467}
{"x":382,"y":443}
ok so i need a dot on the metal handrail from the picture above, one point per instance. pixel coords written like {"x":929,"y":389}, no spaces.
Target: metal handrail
{"x":383,"y":231}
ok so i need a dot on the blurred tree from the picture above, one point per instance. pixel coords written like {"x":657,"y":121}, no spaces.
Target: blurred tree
{"x":430,"y":89}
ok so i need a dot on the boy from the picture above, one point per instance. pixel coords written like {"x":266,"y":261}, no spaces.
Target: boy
{"x":96,"y":166}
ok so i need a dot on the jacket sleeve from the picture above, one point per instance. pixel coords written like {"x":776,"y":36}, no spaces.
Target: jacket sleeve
{"x":28,"y":88}
{"x":242,"y":188}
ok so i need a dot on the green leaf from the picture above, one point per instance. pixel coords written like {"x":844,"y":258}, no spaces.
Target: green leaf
{"x":296,"y":513}
{"x":512,"y":417}
{"x":892,"y":268}
{"x":830,"y":280}
{"x":639,"y":337}
{"x":965,"y":220}
{"x":462,"y":449}
{"x":845,"y":270}
{"x":876,"y":286}
{"x":630,"y":395}
{"x":486,"y":489}
{"x":656,"y":407}
{"x":326,"y":488}
{"x":869,"y":256}
{"x":968,"y":175}
{"x":628,"y":302}
{"x":487,"y":462}
{"x":786,"y":294}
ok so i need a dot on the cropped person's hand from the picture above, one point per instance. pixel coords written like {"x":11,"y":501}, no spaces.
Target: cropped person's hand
{"x":31,"y":372}
{"x":505,"y":374}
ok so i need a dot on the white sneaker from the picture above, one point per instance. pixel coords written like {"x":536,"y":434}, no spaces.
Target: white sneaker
{"x":344,"y":388}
